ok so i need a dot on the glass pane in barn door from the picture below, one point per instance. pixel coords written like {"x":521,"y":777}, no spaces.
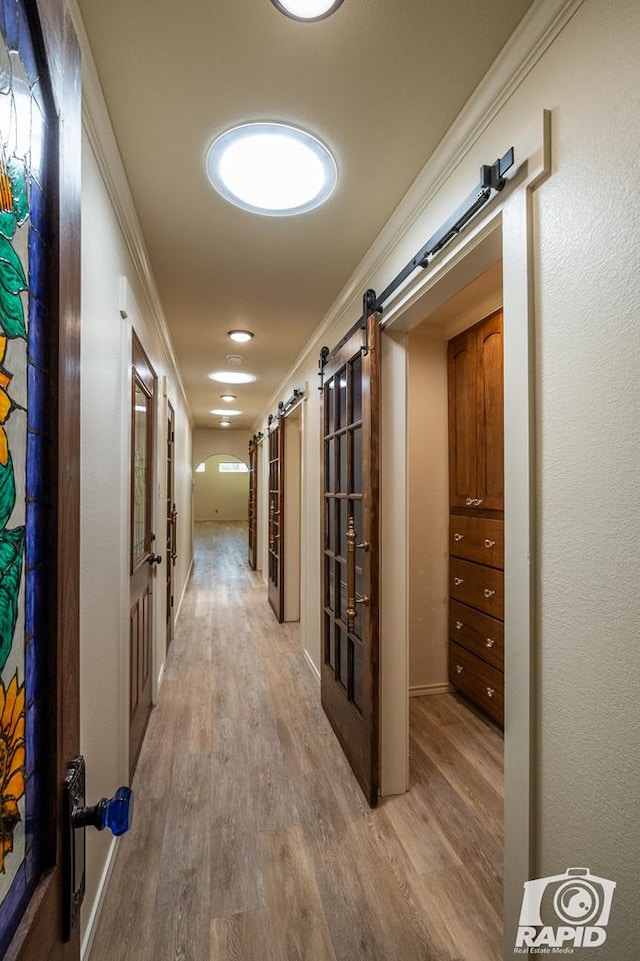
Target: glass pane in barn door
{"x":276,"y":518}
{"x":350,"y":684}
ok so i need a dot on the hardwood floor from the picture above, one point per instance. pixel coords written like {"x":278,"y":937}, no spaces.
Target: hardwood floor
{"x":251,"y":839}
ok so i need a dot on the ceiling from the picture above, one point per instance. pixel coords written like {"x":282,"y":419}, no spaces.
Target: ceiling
{"x":379,"y":82}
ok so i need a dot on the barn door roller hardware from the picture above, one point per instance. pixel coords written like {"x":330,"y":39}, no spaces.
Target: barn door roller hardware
{"x":492,"y":179}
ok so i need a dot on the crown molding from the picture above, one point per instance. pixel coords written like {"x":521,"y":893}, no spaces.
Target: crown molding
{"x":538,"y":29}
{"x":98,"y":127}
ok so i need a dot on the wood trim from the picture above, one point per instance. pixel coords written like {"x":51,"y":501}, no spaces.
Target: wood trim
{"x":428,"y":690}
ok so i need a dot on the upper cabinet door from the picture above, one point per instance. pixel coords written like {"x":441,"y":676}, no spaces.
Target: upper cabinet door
{"x":463,"y":431}
{"x":476,"y":417}
{"x":490,"y":473}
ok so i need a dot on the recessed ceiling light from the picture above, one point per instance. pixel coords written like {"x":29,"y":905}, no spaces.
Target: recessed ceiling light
{"x":228,"y":397}
{"x":307,"y":9}
{"x":271,"y":168}
{"x":226,"y":413}
{"x":240,"y":336}
{"x":232,"y":377}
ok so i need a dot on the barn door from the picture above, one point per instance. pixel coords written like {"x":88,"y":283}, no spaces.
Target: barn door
{"x":39,"y":469}
{"x":253,"y":504}
{"x":276,"y":517}
{"x":350,"y":682}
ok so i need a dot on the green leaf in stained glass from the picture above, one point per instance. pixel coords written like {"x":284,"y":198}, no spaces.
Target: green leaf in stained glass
{"x":19,"y":189}
{"x":11,"y":550}
{"x":12,"y":282}
{"x":7,"y":491}
{"x":7,"y":224}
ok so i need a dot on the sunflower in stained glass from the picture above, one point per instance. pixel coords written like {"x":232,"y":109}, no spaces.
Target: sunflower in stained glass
{"x":12,"y":760}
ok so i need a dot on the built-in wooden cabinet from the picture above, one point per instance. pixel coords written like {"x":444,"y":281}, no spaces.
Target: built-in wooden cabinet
{"x":476,"y":500}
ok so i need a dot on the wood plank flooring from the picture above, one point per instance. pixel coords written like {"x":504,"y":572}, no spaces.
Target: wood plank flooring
{"x":251,"y":839}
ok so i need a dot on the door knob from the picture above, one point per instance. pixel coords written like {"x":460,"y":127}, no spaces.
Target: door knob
{"x":115,"y":813}
{"x":155,"y":559}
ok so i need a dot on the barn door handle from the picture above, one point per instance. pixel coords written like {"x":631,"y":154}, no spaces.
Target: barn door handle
{"x":352,"y":600}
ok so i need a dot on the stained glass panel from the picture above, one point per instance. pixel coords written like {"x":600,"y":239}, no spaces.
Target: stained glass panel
{"x":25,"y":445}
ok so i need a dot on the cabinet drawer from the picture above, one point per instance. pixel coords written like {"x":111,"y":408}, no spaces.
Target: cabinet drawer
{"x":479,"y":633}
{"x":479,"y":539}
{"x":480,"y":682}
{"x":478,"y":586}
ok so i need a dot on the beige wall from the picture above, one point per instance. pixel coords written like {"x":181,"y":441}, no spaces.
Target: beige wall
{"x":104,"y":509}
{"x":220,"y":441}
{"x":220,"y":496}
{"x":428,"y":502}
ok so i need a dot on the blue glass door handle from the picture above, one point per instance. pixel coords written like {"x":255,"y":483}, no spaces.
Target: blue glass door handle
{"x":115,"y":813}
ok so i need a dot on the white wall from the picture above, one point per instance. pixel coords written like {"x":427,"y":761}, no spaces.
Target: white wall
{"x":104,"y":510}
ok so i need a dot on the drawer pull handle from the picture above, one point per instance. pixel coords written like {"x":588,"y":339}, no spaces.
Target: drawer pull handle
{"x":459,"y":625}
{"x":458,"y":537}
{"x":458,"y":581}
{"x":459,"y":668}
{"x":488,"y":593}
{"x":490,"y":642}
{"x":490,"y":692}
{"x":488,"y":544}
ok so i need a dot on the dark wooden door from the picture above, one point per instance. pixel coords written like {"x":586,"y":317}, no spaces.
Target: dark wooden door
{"x":142,"y":557}
{"x":276,"y":517}
{"x":40,"y":134}
{"x":171,"y":538}
{"x":253,"y":504}
{"x":350,"y":631}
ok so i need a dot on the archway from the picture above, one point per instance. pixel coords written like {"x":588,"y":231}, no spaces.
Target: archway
{"x":221,"y":489}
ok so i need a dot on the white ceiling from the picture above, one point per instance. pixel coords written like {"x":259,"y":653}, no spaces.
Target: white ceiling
{"x":379,"y":82}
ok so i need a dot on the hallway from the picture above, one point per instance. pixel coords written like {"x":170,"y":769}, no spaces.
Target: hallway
{"x":251,"y":839}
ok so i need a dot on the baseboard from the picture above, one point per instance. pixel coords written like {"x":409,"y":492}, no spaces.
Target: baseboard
{"x":311,"y":664}
{"x":184,"y":591}
{"x":424,"y":690}
{"x":94,"y":917}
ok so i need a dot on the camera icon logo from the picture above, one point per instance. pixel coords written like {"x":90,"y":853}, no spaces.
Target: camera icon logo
{"x":567,"y":909}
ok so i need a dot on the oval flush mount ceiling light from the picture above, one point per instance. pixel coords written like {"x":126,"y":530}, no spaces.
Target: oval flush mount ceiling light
{"x":226,"y":413}
{"x":240,"y":336}
{"x":232,"y":377}
{"x":307,"y":9}
{"x":271,"y":169}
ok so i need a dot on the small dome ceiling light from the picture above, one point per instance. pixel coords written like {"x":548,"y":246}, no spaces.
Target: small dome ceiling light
{"x":228,"y":397}
{"x":240,"y":336}
{"x":234,"y":359}
{"x":232,"y":377}
{"x":226,"y":413}
{"x":307,"y":9}
{"x":272,"y":169}
{"x":225,"y":423}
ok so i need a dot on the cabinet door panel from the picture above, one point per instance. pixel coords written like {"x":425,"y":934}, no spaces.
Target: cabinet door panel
{"x":462,"y":419}
{"x":490,"y":414}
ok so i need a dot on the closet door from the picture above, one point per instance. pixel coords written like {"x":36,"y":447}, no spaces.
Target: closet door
{"x":350,"y":641}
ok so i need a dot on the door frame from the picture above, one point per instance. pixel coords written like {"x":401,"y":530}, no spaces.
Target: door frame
{"x":275,"y":592}
{"x":505,"y":231}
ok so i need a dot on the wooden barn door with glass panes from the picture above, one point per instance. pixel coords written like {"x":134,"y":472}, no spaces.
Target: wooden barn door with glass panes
{"x":350,"y":643}
{"x":171,"y":548}
{"x":276,"y":517}
{"x":253,"y":504}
